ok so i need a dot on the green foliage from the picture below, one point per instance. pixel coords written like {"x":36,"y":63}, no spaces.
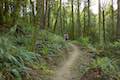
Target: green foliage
{"x":113,"y":51}
{"x":13,"y":59}
{"x":16,"y":73}
{"x":49,"y":43}
{"x":116,"y":45}
{"x":84,"y":41}
{"x":16,"y":57}
{"x":107,"y":65}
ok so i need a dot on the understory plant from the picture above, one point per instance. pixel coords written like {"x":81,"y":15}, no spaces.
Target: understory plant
{"x":13,"y":60}
{"x":84,"y":41}
{"x":107,"y":65}
{"x":17,"y":62}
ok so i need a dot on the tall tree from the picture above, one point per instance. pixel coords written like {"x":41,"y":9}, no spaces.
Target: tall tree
{"x":46,"y":13}
{"x":104,"y":3}
{"x":104,"y":30}
{"x":1,"y":12}
{"x":84,"y":29}
{"x":49,"y":13}
{"x":78,"y":18}
{"x":56,"y":21}
{"x":112,"y":18}
{"x":99,"y":22}
{"x":72,"y":22}
{"x":61,"y":23}
{"x":40,"y":13}
{"x":6,"y":10}
{"x":32,"y":48}
{"x":88,"y":17}
{"x":118,"y":21}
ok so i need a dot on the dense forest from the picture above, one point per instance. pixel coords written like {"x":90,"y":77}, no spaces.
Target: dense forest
{"x":37,"y":37}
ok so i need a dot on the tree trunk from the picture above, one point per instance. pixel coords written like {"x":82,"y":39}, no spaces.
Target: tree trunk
{"x":104,"y":31}
{"x":46,"y":14}
{"x":78,"y":19}
{"x":88,"y":18}
{"x":72,"y":30}
{"x":61,"y":23}
{"x":33,"y":40}
{"x":49,"y":13}
{"x":99,"y":7}
{"x":84,"y":30}
{"x":112,"y":18}
{"x":57,"y":15}
{"x":1,"y":12}
{"x":118,"y":21}
{"x":40,"y":13}
{"x":6,"y":11}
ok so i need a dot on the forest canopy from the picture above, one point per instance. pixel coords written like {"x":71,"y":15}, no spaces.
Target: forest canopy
{"x":36,"y":35}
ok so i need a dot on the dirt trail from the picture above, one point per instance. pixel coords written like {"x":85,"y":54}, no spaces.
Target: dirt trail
{"x":69,"y":70}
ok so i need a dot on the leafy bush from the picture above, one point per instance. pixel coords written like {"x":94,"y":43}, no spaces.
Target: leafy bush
{"x":13,"y":60}
{"x":49,"y":43}
{"x":113,"y":51}
{"x":107,"y":65}
{"x":116,"y":45}
{"x":18,"y":63}
{"x":84,"y":41}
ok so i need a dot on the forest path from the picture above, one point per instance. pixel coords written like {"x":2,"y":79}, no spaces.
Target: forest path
{"x":70,"y":68}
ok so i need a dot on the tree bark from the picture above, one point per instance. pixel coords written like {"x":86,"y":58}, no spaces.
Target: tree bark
{"x":104,"y":31}
{"x":99,"y":7}
{"x":112,"y":18}
{"x":118,"y":21}
{"x":78,"y":19}
{"x":1,"y":12}
{"x":84,"y":30}
{"x":61,"y":23}
{"x":49,"y":13}
{"x":72,"y":30}
{"x":88,"y":18}
{"x":41,"y":13}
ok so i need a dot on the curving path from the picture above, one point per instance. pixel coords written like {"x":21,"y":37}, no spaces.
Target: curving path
{"x":69,"y":70}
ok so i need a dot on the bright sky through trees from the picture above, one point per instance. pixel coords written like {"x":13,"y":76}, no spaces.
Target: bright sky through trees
{"x":94,"y":4}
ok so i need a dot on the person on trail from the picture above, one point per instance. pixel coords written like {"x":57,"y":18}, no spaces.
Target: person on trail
{"x":66,"y":37}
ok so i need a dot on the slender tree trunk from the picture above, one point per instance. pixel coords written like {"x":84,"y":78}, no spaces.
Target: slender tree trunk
{"x":57,"y":15}
{"x":88,"y":18}
{"x":49,"y":13}
{"x":99,"y":22}
{"x":78,"y":19}
{"x":84,"y":30}
{"x":15,"y":12}
{"x":112,"y":18}
{"x":104,"y":31}
{"x":1,"y":12}
{"x":46,"y":13}
{"x":72,"y":30}
{"x":118,"y":21}
{"x":61,"y":23}
{"x":6,"y":11}
{"x":40,"y":13}
{"x":64,"y":20}
{"x":32,"y":48}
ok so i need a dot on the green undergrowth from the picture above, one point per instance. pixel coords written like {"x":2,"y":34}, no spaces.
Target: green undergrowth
{"x":18,"y":62}
{"x":106,"y":58}
{"x":82,"y":41}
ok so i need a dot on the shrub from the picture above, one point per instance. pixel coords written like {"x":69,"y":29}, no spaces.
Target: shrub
{"x":13,"y":60}
{"x":49,"y":43}
{"x":107,"y":65}
{"x":84,"y":41}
